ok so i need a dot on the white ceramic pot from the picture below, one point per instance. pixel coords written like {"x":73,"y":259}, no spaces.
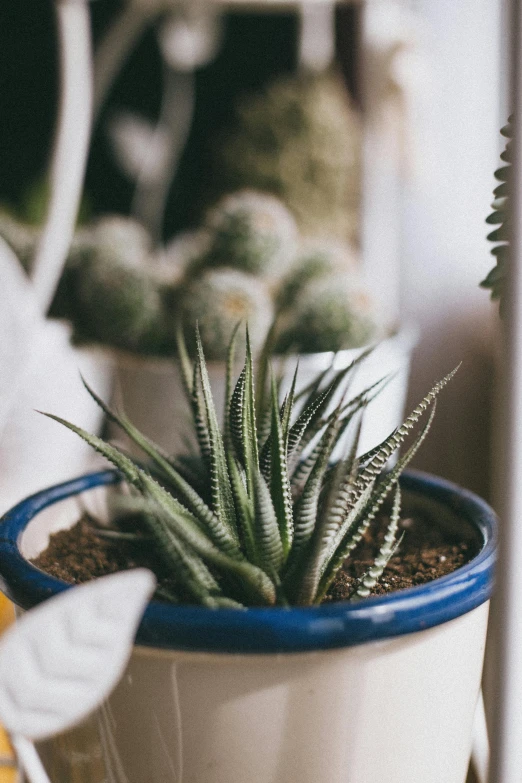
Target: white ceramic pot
{"x":151,"y":394}
{"x":380,"y":690}
{"x":36,"y":452}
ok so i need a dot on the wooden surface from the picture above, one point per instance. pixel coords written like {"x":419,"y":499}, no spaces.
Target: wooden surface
{"x":8,"y":773}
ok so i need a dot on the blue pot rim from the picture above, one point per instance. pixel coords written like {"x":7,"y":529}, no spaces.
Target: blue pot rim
{"x":276,"y":630}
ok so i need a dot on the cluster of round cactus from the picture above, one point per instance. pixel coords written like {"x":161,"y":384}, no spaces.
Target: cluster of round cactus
{"x":253,"y":232}
{"x":253,"y":266}
{"x":107,"y":289}
{"x":299,"y":139}
{"x":246,"y":263}
{"x":217,"y":301}
{"x":331,"y":314}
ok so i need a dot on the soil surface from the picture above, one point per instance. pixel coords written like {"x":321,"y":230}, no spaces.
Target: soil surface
{"x":81,"y":553}
{"x":424,"y":554}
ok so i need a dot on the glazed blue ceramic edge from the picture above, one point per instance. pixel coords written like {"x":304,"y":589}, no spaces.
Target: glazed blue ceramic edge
{"x":276,"y":630}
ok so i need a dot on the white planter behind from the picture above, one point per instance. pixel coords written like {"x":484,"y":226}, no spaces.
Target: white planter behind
{"x":36,"y":452}
{"x":151,"y":394}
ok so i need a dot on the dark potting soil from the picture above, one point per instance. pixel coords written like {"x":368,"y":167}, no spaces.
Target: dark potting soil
{"x":425,"y":553}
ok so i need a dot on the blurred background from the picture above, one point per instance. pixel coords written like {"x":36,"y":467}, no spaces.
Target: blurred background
{"x":430,"y":147}
{"x":374,"y":126}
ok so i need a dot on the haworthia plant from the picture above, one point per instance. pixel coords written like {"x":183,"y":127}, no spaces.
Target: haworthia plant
{"x":275,"y":520}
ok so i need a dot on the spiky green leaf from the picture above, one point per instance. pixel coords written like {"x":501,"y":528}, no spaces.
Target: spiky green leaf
{"x":219,"y":533}
{"x":356,"y":524}
{"x":237,"y":405}
{"x":231,"y":355}
{"x":222,"y":499}
{"x":370,"y":578}
{"x":377,"y":462}
{"x":279,"y":483}
{"x":268,"y":543}
{"x":185,"y":365}
{"x":335,"y":508}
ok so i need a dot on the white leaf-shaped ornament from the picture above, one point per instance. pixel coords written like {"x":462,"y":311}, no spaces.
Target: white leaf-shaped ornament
{"x":19,"y":320}
{"x":62,"y":659}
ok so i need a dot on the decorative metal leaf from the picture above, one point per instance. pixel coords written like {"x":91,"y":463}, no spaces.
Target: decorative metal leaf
{"x":62,"y":659}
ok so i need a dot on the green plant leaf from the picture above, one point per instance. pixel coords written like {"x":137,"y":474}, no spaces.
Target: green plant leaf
{"x":285,"y":413}
{"x":355,"y":525}
{"x":334,"y":511}
{"x":231,"y":355}
{"x":225,"y":523}
{"x":370,"y":578}
{"x":377,"y":462}
{"x":222,"y":499}
{"x":237,"y":404}
{"x":263,"y":364}
{"x":174,"y":519}
{"x":244,"y":507}
{"x":199,"y":416}
{"x":255,"y":582}
{"x":279,"y":483}
{"x":249,"y":430}
{"x":219,"y":533}
{"x":306,"y":510}
{"x":184,"y":363}
{"x":269,"y":546}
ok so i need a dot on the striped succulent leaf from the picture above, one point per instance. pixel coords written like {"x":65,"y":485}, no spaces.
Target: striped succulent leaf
{"x":369,"y":579}
{"x":244,"y":524}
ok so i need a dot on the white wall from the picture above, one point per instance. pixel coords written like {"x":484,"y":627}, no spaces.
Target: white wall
{"x":444,"y":251}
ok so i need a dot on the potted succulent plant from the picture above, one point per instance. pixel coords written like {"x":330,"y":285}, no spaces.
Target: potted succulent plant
{"x":242,"y":672}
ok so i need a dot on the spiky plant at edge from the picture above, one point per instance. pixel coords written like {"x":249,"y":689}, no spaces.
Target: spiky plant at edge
{"x":499,"y":217}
